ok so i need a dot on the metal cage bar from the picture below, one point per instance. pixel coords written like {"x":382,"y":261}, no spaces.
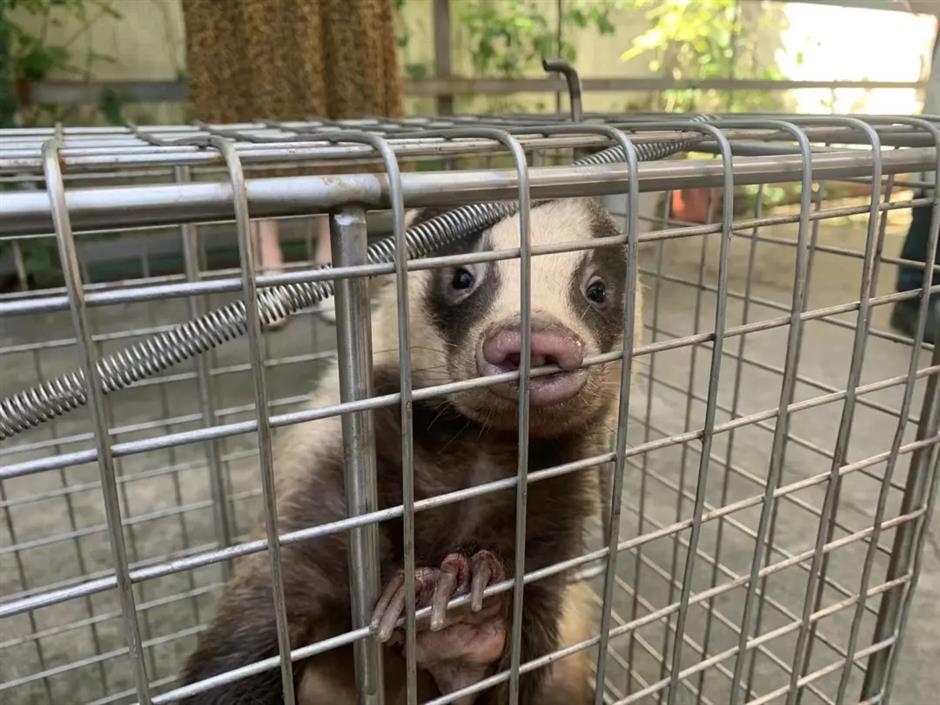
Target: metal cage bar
{"x":246,"y":250}
{"x":708,"y":428}
{"x":354,"y":343}
{"x":831,"y":500}
{"x":786,"y":397}
{"x":906,"y":401}
{"x":189,"y":242}
{"x":71,"y":272}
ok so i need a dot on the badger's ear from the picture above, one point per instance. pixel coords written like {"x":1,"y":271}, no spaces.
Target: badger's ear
{"x":589,"y":203}
{"x":602,"y":223}
{"x":596,"y":207}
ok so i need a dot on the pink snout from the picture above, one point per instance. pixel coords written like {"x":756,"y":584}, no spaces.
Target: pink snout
{"x":501,"y":352}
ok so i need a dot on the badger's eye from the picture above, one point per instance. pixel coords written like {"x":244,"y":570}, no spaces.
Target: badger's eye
{"x":596,"y":292}
{"x":463,"y":279}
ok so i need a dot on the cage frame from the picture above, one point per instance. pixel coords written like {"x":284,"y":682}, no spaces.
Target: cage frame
{"x":28,"y":214}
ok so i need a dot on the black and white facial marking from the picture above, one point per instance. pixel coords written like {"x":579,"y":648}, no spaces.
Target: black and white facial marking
{"x":598,"y":288}
{"x":465,"y":319}
{"x":458,"y":297}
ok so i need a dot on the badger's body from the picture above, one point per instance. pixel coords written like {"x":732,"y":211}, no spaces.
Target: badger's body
{"x":463,"y":323}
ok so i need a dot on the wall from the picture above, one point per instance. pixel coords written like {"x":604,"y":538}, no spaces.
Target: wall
{"x":148,"y":44}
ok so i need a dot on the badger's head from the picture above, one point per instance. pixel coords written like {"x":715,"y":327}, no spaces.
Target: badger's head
{"x":465,"y":321}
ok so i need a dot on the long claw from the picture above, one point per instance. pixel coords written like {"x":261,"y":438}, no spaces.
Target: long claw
{"x":487,"y":569}
{"x":446,"y":585}
{"x":481,"y":578}
{"x":390,"y":618}
{"x":390,"y":589}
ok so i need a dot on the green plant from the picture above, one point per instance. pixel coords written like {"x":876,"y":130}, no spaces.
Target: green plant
{"x":507,"y":38}
{"x":711,"y":39}
{"x":29,"y":55}
{"x":414,"y":70}
{"x":7,"y":97}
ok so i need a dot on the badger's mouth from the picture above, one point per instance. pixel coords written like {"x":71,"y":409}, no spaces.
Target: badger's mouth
{"x":501,"y":352}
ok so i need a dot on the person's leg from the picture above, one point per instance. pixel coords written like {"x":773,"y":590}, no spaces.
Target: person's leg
{"x":272,"y":260}
{"x":323,"y":255}
{"x":270,"y":255}
{"x":904,"y":314}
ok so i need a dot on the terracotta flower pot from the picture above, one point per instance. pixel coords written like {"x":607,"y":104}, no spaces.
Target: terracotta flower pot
{"x":692,"y":205}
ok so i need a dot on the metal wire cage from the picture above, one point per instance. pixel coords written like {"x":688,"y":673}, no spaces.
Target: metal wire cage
{"x":774,"y":471}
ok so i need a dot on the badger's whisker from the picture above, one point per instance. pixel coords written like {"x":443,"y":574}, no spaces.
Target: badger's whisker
{"x":455,"y":436}
{"x":442,"y":409}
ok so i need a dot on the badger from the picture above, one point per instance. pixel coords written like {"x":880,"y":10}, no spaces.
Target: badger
{"x":464,"y":322}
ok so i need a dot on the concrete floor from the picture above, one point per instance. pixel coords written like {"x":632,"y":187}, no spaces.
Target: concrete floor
{"x":171,"y":512}
{"x":826,"y":352}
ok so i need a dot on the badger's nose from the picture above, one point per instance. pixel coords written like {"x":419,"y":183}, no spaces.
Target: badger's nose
{"x":548,"y":347}
{"x":501,"y":352}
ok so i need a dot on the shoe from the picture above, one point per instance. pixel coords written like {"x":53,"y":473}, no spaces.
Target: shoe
{"x":904,"y":318}
{"x":277,"y":325}
{"x":326,"y":310}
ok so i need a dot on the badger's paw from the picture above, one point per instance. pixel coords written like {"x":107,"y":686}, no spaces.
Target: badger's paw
{"x":459,"y":646}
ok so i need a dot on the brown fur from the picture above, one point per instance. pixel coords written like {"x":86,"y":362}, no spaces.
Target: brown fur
{"x":569,"y":679}
{"x":464,"y":440}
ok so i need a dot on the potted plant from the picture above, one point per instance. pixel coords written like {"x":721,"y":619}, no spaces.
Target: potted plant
{"x":709,"y":39}
{"x":695,"y":205}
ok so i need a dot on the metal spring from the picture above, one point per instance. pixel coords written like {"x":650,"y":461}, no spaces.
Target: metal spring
{"x":146,"y":358}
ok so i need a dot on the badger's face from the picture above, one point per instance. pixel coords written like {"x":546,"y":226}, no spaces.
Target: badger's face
{"x":466,"y":322}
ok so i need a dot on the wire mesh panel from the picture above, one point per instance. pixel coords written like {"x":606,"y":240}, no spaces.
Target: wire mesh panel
{"x":768,"y":478}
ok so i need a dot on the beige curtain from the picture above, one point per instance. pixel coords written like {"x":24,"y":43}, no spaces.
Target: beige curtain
{"x":291,"y":59}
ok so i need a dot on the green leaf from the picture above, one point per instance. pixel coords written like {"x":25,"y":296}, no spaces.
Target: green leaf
{"x":38,"y":62}
{"x":577,"y":17}
{"x":416,"y":71}
{"x":93,"y":56}
{"x":604,"y":25}
{"x":111,"y":106}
